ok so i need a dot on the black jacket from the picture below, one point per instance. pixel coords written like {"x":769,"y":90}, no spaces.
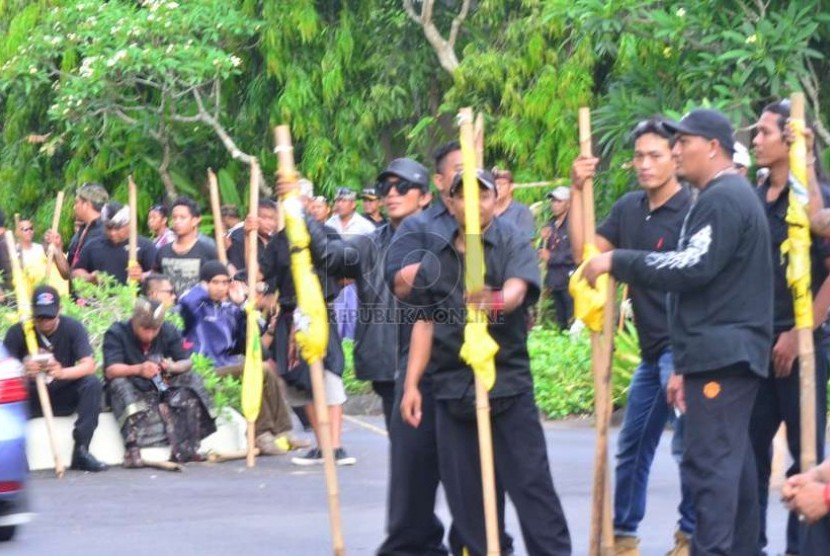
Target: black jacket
{"x":719,"y":280}
{"x":362,"y":258}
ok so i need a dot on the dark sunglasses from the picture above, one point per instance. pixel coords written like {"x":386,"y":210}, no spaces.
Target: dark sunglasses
{"x":29,"y":229}
{"x":402,"y":186}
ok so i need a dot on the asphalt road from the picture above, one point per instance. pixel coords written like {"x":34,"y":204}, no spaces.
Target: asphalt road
{"x":279,"y":509}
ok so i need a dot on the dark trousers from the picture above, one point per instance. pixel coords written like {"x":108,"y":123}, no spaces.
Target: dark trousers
{"x":815,"y":539}
{"x":412,"y":528}
{"x":386,"y":391}
{"x":563,"y":304}
{"x":522,"y":468}
{"x":81,"y":396}
{"x":777,"y":402}
{"x":718,"y":462}
{"x":274,"y":416}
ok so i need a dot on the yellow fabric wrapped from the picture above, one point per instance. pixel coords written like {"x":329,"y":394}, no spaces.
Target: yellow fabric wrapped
{"x":589,"y":303}
{"x":310,"y":316}
{"x":252,"y":375}
{"x":797,"y":250}
{"x":479,"y":348}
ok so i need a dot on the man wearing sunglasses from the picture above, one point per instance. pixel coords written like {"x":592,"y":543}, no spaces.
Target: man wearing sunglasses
{"x":647,"y":219}
{"x":67,"y":359}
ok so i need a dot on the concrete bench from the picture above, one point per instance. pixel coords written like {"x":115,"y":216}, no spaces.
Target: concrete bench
{"x":108,"y":446}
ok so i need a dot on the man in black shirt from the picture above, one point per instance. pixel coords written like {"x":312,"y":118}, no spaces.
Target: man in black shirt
{"x":155,"y":396}
{"x":648,"y":219}
{"x":67,"y":358}
{"x":110,"y":254}
{"x":779,"y":396}
{"x":720,"y":308}
{"x":371,"y":207}
{"x":89,"y":200}
{"x":558,"y":256}
{"x":512,"y":284}
{"x":266,"y":226}
{"x":182,"y":259}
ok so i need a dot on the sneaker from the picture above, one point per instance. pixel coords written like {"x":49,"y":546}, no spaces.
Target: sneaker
{"x":312,"y":457}
{"x":626,"y":546}
{"x":681,"y":545}
{"x":342,"y":458}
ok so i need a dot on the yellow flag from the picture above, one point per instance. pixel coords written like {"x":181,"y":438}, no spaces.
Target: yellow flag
{"x":589,"y":303}
{"x":479,"y":349}
{"x":252,"y":377}
{"x":797,"y":245}
{"x":23,"y":295}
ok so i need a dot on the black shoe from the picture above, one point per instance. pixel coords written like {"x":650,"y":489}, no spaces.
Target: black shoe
{"x":82,"y":460}
{"x":342,"y":458}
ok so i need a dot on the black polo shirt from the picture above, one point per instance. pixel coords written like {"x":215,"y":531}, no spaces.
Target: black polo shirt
{"x":783,"y":316}
{"x":561,"y":261}
{"x":122,"y":346}
{"x":183,"y":268}
{"x":83,"y":236}
{"x":633,"y":225}
{"x":69,"y":343}
{"x":102,"y":255}
{"x":439,"y":293}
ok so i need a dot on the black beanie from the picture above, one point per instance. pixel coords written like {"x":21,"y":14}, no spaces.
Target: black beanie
{"x":211,"y":270}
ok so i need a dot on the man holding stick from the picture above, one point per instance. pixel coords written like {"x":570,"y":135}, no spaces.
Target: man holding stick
{"x":512,"y":284}
{"x":89,"y":201}
{"x":719,"y":281}
{"x":779,"y":397}
{"x":649,"y":219}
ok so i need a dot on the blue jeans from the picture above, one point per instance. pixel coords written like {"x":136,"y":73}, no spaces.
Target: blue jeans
{"x":645,"y":419}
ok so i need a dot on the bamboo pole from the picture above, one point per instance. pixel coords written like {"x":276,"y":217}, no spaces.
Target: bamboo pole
{"x":253,"y":271}
{"x":601,"y":539}
{"x":56,"y":220}
{"x":132,"y":259}
{"x":806,"y":349}
{"x":24,"y":311}
{"x":485,"y":435}
{"x":218,"y":226}
{"x":285,"y":154}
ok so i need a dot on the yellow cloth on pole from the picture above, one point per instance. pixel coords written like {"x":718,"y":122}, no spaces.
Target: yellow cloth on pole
{"x":589,"y":303}
{"x":252,"y":374}
{"x":310,"y":316}
{"x":479,"y":348}
{"x":797,"y":245}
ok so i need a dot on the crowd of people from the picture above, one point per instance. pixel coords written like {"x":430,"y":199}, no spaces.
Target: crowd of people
{"x":702,"y":250}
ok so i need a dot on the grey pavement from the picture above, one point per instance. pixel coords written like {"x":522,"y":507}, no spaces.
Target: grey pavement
{"x":278,"y":509}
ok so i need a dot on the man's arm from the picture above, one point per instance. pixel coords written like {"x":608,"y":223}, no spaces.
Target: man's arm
{"x":583,"y":168}
{"x":420,"y":350}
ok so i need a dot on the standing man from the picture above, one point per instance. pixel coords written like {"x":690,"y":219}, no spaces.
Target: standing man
{"x":89,"y":201}
{"x":267,"y":225}
{"x":371,"y":207}
{"x":110,"y":254}
{"x":719,"y":281}
{"x":778,"y":399}
{"x":182,"y":259}
{"x":157,"y":223}
{"x":649,"y":219}
{"x":557,"y":254}
{"x":512,"y":211}
{"x":67,"y":359}
{"x":34,"y":260}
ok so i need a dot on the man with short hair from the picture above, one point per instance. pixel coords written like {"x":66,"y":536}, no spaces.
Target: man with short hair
{"x":34,"y":260}
{"x":158,"y":287}
{"x":110,"y":254}
{"x":182,"y":259}
{"x":371,"y":206}
{"x":267,"y":225}
{"x":231,"y":219}
{"x":719,"y":281}
{"x":648,"y":219}
{"x":67,"y":358}
{"x":511,"y":210}
{"x":89,"y":201}
{"x":156,"y":398}
{"x":558,"y":257}
{"x":157,"y":223}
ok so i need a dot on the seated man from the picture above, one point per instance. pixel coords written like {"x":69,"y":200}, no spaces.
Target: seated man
{"x":154,"y":396}
{"x":214,"y":326}
{"x":110,"y":254}
{"x":160,"y":288}
{"x":67,"y":359}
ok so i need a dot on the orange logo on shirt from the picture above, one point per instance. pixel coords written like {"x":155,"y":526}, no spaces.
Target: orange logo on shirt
{"x":711,"y":390}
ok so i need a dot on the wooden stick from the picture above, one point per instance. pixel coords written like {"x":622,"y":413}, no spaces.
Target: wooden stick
{"x":601,"y":349}
{"x":24,"y":310}
{"x":221,"y":457}
{"x":132,"y":258}
{"x":285,"y":155}
{"x":253,"y":271}
{"x":56,"y":220}
{"x":218,"y":226}
{"x":163,"y":465}
{"x":485,"y":434}
{"x":806,"y":349}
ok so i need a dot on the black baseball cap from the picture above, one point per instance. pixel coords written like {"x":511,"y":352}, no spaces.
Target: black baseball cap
{"x":708,"y":123}
{"x":45,"y":302}
{"x":408,"y":170}
{"x":484,"y":177}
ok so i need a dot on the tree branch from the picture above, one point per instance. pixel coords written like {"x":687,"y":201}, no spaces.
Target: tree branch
{"x":445,"y":50}
{"x":457,"y":21}
{"x":810,"y":84}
